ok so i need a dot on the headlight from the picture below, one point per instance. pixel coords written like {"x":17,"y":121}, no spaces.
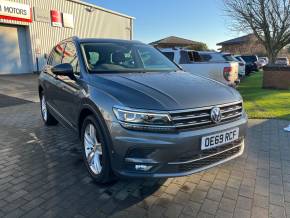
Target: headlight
{"x":139,"y":120}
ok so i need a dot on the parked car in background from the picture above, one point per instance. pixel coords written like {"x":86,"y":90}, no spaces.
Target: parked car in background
{"x":266,"y":59}
{"x":137,"y":113}
{"x":242,"y":65}
{"x":261,"y":63}
{"x":207,"y":64}
{"x":282,"y":61}
{"x":251,"y":63}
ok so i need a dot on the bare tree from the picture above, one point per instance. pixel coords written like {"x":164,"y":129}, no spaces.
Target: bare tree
{"x":269,"y":20}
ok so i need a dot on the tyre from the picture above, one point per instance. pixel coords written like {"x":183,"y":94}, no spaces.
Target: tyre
{"x":47,"y":117}
{"x":95,"y":151}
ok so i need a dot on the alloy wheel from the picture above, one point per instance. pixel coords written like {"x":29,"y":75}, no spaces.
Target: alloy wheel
{"x":43,"y":108}
{"x":93,"y":149}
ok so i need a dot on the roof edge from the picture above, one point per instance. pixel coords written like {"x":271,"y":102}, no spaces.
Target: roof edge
{"x":231,"y":41}
{"x":101,"y":8}
{"x":227,"y":43}
{"x":188,"y":40}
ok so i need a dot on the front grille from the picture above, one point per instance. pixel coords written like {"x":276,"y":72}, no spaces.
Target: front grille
{"x":197,"y":118}
{"x":209,"y":160}
{"x":208,"y":152}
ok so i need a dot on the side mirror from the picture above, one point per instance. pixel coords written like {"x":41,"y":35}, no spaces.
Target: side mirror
{"x":63,"y":70}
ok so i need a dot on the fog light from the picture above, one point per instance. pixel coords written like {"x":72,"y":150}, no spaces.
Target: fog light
{"x":142,"y":167}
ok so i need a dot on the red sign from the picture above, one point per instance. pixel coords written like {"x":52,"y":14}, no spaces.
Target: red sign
{"x":56,"y":18}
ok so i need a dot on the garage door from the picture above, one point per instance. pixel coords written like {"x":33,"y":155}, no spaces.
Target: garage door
{"x":14,"y":58}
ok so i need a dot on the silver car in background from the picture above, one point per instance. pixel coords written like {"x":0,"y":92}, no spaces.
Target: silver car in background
{"x":205,"y":63}
{"x":239,"y":60}
{"x":284,"y":61}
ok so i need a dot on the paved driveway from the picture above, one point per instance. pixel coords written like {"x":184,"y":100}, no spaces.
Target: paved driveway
{"x":19,"y":86}
{"x":42,"y":175}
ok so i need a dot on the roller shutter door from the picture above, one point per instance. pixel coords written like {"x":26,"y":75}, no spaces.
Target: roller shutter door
{"x":14,"y":56}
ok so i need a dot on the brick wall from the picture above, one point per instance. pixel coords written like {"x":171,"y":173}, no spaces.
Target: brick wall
{"x":276,"y":77}
{"x":251,"y":46}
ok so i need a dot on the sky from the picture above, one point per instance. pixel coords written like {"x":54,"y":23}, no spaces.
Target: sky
{"x":198,"y":20}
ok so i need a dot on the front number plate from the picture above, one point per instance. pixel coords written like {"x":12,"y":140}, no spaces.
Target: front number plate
{"x":218,"y":139}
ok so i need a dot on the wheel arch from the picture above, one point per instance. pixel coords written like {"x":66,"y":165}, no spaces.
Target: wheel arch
{"x":89,"y":108}
{"x":86,"y":111}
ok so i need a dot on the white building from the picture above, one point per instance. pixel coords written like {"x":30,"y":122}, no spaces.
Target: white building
{"x":30,"y":28}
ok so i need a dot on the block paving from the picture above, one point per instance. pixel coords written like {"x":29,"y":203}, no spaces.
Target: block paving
{"x":42,"y":175}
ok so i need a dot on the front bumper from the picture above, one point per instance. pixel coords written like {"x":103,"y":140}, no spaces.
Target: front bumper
{"x":171,"y":154}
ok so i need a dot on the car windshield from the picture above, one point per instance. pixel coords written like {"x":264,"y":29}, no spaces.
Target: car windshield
{"x":125,"y":57}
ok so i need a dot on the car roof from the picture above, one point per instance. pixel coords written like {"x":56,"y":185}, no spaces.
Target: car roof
{"x":101,"y":40}
{"x":90,"y":40}
{"x":190,"y":50}
{"x":174,"y":49}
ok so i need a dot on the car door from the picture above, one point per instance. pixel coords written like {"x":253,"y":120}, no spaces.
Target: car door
{"x":52,"y":83}
{"x":69,"y":92}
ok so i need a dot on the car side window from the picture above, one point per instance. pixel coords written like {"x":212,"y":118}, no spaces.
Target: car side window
{"x":70,"y":57}
{"x":184,"y":58}
{"x":206,"y":58}
{"x":169,"y":55}
{"x":56,"y":55}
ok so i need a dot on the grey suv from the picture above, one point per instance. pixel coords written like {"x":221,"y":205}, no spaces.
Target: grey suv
{"x":137,"y":113}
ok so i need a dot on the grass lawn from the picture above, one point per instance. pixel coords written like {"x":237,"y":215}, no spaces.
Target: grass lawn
{"x":264,"y":103}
